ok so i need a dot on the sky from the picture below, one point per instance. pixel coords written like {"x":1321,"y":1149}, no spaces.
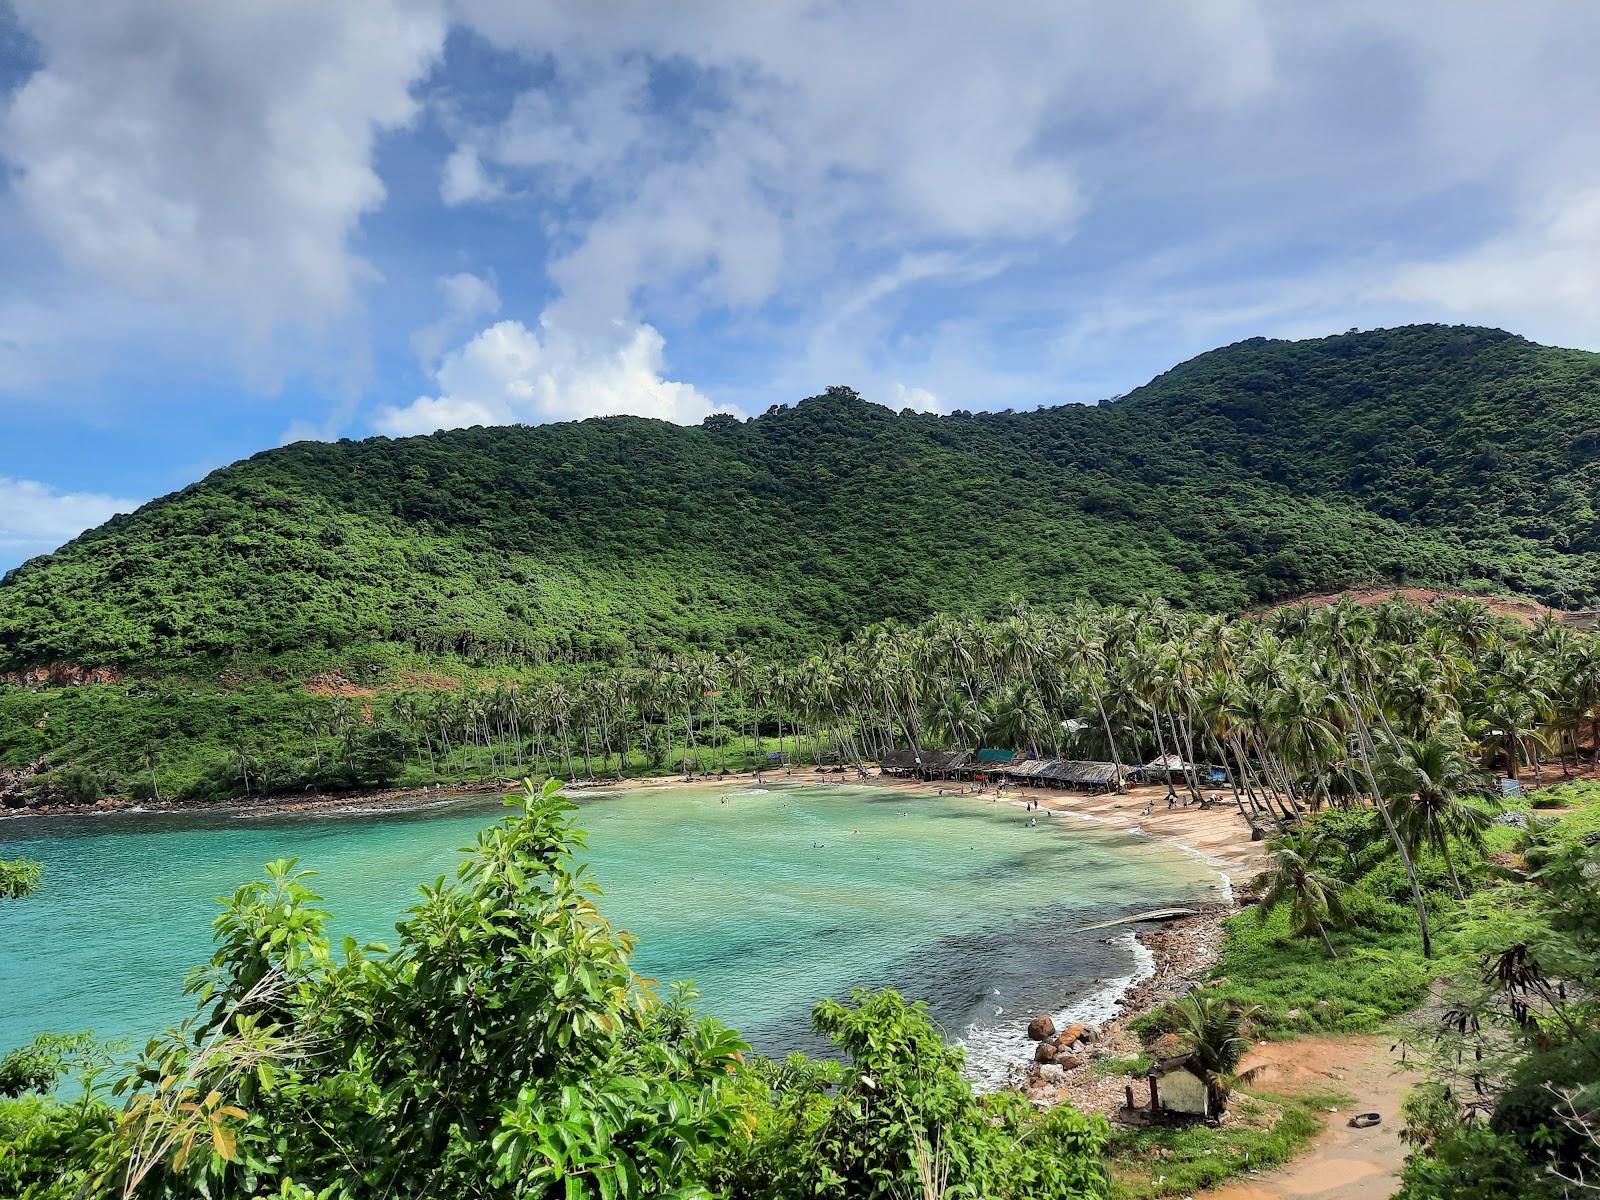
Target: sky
{"x":224,"y":227}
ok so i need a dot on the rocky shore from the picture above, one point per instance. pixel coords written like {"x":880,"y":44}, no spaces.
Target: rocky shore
{"x":1069,"y":1064}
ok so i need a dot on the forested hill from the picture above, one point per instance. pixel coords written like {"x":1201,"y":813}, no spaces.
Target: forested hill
{"x":1438,"y":454}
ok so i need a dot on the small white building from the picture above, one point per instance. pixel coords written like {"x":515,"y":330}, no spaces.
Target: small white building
{"x":1176,"y":1087}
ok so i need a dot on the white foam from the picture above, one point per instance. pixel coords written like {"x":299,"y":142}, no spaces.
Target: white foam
{"x":998,"y":1053}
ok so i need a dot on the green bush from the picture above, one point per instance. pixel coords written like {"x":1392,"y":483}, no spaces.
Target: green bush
{"x":859,"y":1131}
{"x":37,"y":1066}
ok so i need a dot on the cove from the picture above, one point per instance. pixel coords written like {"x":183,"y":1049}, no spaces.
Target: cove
{"x":768,"y":897}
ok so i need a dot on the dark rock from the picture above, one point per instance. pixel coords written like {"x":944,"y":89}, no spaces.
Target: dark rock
{"x":1045,"y":1052}
{"x":1041,"y":1028}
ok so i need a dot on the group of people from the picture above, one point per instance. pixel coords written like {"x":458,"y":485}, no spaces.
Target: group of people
{"x":1174,"y":797}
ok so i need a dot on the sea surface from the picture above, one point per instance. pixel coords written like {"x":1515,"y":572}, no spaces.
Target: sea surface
{"x":767,"y":897}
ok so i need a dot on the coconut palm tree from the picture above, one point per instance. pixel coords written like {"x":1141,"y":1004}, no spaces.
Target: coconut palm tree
{"x":1344,"y":630}
{"x":1295,"y":879}
{"x":1212,"y":1031}
{"x":1432,"y":787}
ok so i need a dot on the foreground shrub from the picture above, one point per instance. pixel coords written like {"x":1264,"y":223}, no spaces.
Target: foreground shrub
{"x":503,"y":1048}
{"x":897,"y":1113}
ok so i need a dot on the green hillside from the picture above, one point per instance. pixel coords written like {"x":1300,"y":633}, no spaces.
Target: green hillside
{"x":1432,"y":454}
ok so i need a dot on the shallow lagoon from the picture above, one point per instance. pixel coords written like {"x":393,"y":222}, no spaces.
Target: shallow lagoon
{"x":768,"y":897}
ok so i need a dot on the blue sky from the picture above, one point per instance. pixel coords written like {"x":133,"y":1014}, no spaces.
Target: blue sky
{"x":227,"y":226}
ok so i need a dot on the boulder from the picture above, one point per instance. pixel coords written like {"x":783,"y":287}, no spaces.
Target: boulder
{"x":1045,"y":1052}
{"x":1041,"y":1028}
{"x":1071,"y":1033}
{"x":1050,"y":1073}
{"x":1069,"y":1062}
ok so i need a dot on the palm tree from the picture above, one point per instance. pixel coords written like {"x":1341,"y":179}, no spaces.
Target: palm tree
{"x":1294,"y":879}
{"x":1427,"y":783}
{"x":1212,"y":1030}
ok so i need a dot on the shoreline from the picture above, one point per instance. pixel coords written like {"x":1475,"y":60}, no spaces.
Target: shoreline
{"x":1181,"y":951}
{"x":1169,"y":958}
{"x":400,"y":799}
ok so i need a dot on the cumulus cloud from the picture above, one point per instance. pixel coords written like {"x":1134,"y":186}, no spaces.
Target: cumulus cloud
{"x":729,"y":156}
{"x":917,"y":398}
{"x":35,"y":518}
{"x":217,"y":155}
{"x":512,"y":374}
{"x":467,"y":298}
{"x":464,"y":179}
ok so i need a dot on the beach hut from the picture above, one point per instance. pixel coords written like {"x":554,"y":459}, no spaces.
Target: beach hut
{"x":1167,"y":768}
{"x":924,"y":764}
{"x":991,"y":760}
{"x":902,"y":763}
{"x":1025,"y":771}
{"x":987,"y":764}
{"x":1083,"y":775}
{"x":943,"y":764}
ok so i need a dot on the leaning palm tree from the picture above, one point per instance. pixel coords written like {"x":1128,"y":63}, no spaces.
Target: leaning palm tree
{"x":1436,"y":796}
{"x":1294,"y":878}
{"x":1212,"y":1030}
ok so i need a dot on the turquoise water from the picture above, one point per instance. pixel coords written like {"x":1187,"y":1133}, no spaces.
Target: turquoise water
{"x":767,"y":898}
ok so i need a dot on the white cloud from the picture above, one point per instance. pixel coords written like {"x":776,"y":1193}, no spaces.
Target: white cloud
{"x":464,"y":179}
{"x":467,"y":298}
{"x":800,"y":135}
{"x":920,"y":399}
{"x":1541,"y":278}
{"x":216,"y":155}
{"x":509,"y":374}
{"x":781,"y":151}
{"x":35,"y":518}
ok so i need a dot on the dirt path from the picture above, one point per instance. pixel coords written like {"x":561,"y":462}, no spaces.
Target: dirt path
{"x":1342,"y":1163}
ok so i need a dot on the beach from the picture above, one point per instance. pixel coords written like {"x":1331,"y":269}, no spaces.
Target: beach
{"x":1169,"y":957}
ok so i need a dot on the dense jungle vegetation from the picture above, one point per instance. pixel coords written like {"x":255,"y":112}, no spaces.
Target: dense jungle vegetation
{"x":502,"y":1046}
{"x":1366,"y":741}
{"x":1453,"y":455}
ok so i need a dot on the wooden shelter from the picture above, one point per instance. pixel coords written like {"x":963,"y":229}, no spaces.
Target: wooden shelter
{"x":1079,"y":774}
{"x":924,"y":764}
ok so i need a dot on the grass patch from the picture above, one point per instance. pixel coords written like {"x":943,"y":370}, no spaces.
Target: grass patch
{"x":1582,"y":797}
{"x":1260,"y":1132}
{"x":1380,"y":973}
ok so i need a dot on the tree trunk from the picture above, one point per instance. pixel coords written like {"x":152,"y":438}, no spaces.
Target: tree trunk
{"x":1323,"y":934}
{"x":1364,"y":740}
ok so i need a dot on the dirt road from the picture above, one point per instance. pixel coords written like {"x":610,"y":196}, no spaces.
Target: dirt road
{"x":1342,"y":1163}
